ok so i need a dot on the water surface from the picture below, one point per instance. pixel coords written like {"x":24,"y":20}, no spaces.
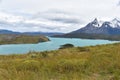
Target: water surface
{"x":53,"y":44}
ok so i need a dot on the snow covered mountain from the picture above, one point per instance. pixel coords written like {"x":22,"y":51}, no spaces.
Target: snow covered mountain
{"x":115,"y":23}
{"x":109,"y":30}
{"x":96,"y":27}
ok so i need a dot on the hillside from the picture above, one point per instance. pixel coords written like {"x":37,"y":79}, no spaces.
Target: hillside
{"x":3,"y":31}
{"x":90,"y":36}
{"x":80,"y":63}
{"x":109,"y":30}
{"x":101,"y":27}
{"x":21,"y":39}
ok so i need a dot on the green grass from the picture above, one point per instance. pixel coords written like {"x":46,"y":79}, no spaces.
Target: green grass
{"x":100,"y":62}
{"x":21,"y":39}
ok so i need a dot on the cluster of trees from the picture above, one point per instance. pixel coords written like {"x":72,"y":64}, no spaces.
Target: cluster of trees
{"x":66,"y":46}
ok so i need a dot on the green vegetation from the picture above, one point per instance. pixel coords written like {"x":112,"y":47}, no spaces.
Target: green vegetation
{"x":21,"y":39}
{"x":66,"y":46}
{"x":90,"y":36}
{"x":100,"y":62}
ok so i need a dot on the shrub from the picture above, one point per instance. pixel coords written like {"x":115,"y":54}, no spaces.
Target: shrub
{"x":66,"y":46}
{"x":31,"y":65}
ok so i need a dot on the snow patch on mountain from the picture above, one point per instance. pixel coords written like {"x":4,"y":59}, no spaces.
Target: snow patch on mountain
{"x":115,"y":23}
{"x":97,"y":23}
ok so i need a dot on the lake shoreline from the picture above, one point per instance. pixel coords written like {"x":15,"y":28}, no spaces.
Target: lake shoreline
{"x":53,"y":44}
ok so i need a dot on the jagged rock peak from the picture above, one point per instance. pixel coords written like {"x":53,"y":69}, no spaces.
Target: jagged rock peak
{"x":95,"y":23}
{"x":95,"y":20}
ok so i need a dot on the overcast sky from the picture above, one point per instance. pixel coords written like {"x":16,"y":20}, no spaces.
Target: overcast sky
{"x":86,"y":10}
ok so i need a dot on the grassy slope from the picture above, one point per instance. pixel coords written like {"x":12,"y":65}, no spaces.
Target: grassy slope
{"x":21,"y":39}
{"x":87,"y":63}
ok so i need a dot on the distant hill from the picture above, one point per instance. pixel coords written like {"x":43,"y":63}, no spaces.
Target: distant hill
{"x":21,"y":39}
{"x":30,"y":33}
{"x":43,"y":33}
{"x":2,"y":31}
{"x":97,"y":30}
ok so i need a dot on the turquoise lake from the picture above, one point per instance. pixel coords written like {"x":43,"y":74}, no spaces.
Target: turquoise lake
{"x":53,"y":44}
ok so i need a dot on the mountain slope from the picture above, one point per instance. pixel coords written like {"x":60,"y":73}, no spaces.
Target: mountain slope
{"x":30,"y":33}
{"x":2,"y":31}
{"x":96,"y":30}
{"x":43,"y":33}
{"x":21,"y":39}
{"x":96,"y":27}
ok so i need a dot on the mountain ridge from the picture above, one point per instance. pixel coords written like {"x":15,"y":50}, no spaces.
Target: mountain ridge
{"x":107,"y":27}
{"x":109,"y":30}
{"x":3,"y":31}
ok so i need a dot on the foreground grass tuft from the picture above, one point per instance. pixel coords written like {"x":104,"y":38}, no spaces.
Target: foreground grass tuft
{"x":100,"y":62}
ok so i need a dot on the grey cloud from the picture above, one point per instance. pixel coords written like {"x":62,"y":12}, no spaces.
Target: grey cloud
{"x":63,"y":20}
{"x":47,"y":21}
{"x":52,"y":15}
{"x":21,"y":26}
{"x":87,"y":9}
{"x":58,"y":11}
{"x":119,"y":3}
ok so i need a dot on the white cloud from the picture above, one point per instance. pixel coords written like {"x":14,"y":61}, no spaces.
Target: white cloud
{"x":39,"y":22}
{"x":56,"y":15}
{"x":119,"y":3}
